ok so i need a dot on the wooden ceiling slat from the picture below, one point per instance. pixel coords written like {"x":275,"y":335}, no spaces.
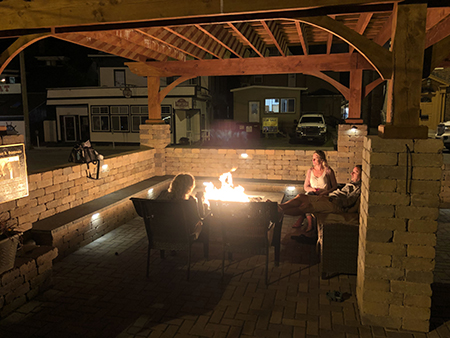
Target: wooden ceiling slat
{"x":166,"y":37}
{"x":89,"y":42}
{"x":435,"y":15}
{"x":223,"y":37}
{"x":330,"y":37}
{"x":246,"y":32}
{"x":438,"y":32}
{"x":115,"y":40}
{"x":276,"y":36}
{"x":198,"y":38}
{"x":384,"y":35}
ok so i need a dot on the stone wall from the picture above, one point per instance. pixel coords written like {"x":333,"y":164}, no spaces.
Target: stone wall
{"x":30,"y":276}
{"x":54,"y":191}
{"x":268,"y":164}
{"x":398,"y":224}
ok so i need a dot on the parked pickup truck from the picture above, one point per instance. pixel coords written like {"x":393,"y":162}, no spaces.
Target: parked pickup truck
{"x":443,"y":133}
{"x":312,"y":127}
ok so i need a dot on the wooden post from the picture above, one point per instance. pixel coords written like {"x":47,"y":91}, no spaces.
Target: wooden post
{"x":154,"y":101}
{"x":408,"y":43}
{"x":355,"y":100}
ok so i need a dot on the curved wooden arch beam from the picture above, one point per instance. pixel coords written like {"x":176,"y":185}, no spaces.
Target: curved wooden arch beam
{"x":155,"y":97}
{"x":345,"y":91}
{"x":379,"y":57}
{"x":17,"y":46}
{"x":371,"y":86}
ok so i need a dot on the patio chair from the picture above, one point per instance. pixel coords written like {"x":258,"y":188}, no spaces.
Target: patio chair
{"x":167,"y":227}
{"x":246,"y":228}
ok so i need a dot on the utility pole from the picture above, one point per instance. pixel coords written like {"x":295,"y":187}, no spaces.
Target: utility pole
{"x":23,"y":85}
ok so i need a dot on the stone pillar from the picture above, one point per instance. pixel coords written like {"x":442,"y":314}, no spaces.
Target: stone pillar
{"x":397,"y":236}
{"x":349,"y":145}
{"x":156,"y":136}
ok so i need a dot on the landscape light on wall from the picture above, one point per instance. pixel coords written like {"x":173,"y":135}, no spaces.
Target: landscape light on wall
{"x":95,"y":216}
{"x":290,"y":189}
{"x":105,"y":167}
{"x":150,"y":192}
{"x":244,"y":155}
{"x":354,"y":129}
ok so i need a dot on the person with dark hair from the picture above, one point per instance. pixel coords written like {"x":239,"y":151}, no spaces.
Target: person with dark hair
{"x":345,"y":199}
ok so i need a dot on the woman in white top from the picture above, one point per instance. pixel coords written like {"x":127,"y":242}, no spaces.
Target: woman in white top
{"x":320,"y":180}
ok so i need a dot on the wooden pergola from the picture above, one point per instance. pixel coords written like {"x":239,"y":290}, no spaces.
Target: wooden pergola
{"x":228,"y":37}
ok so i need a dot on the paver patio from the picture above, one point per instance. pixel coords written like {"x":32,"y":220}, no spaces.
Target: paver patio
{"x":101,"y":291}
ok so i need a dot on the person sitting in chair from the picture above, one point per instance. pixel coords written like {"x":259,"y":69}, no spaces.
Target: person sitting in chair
{"x":345,"y":199}
{"x":181,"y":188}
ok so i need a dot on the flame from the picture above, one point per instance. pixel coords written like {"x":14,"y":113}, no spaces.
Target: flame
{"x":227,"y":191}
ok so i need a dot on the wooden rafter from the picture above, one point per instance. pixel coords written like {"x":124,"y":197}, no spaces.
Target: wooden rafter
{"x":330,"y":37}
{"x":222,"y":36}
{"x":345,"y":91}
{"x":250,"y":66}
{"x":371,"y":86}
{"x":301,"y":31}
{"x":438,"y":32}
{"x":384,"y":35}
{"x":435,"y":15}
{"x":166,"y":37}
{"x":143,"y":40}
{"x":87,"y":41}
{"x":276,"y":35}
{"x":246,"y":32}
{"x":117,"y":41}
{"x":379,"y":57}
{"x":361,"y":25}
{"x":195,"y":36}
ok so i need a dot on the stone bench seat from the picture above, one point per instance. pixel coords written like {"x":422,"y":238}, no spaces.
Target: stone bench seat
{"x":81,"y":225}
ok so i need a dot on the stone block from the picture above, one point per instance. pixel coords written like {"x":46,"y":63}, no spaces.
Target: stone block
{"x":421,"y":160}
{"x":420,"y":213}
{"x":417,"y":301}
{"x":382,"y":236}
{"x":376,"y":285}
{"x":385,"y":185}
{"x":427,"y":173}
{"x":425,"y":200}
{"x":419,"y":276}
{"x":382,"y":321}
{"x":388,"y":198}
{"x":386,"y":172}
{"x":425,"y":226}
{"x":377,"y":260}
{"x":417,"y":238}
{"x":423,"y":251}
{"x":384,"y":273}
{"x":390,"y":159}
{"x":413,"y":324}
{"x":411,"y":288}
{"x":386,"y":248}
{"x":419,"y":313}
{"x":381,"y":211}
{"x":382,"y":223}
{"x":376,"y":309}
{"x":379,"y":145}
{"x":424,"y":187}
{"x":428,"y":146}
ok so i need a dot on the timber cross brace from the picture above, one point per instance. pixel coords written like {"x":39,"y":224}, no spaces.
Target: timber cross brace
{"x":220,"y":37}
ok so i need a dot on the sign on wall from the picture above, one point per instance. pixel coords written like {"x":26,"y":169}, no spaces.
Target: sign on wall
{"x":13,"y":172}
{"x":270,"y":125}
{"x":10,"y":88}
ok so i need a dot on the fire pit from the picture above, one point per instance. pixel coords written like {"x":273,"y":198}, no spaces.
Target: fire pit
{"x":248,"y":223}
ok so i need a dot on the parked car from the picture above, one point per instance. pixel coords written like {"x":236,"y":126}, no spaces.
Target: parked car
{"x":312,"y":127}
{"x":443,"y":133}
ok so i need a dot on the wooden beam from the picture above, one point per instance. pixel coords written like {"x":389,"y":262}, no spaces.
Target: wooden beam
{"x":330,"y":37}
{"x":384,"y":35}
{"x":222,"y":36}
{"x":276,"y":35}
{"x":117,"y":41}
{"x":435,"y":15}
{"x":246,"y":32}
{"x":438,"y":32}
{"x":45,"y":14}
{"x":379,"y":57}
{"x":174,"y":41}
{"x":361,"y":25}
{"x":252,"y":66}
{"x":354,"y":103}
{"x":371,"y":86}
{"x":89,"y":42}
{"x":405,"y":92}
{"x":301,"y":31}
{"x":195,"y":36}
{"x":163,"y":92}
{"x":17,"y":46}
{"x":345,"y":91}
{"x":141,"y":39}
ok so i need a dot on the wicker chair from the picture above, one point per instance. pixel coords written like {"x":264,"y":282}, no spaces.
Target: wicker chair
{"x":247,"y":228}
{"x":338,"y":236}
{"x":168,"y":229}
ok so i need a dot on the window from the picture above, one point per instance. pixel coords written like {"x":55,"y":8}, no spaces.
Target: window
{"x":272,"y":106}
{"x":119,"y":110}
{"x":119,"y":78}
{"x":100,"y":118}
{"x":139,"y":114}
{"x":287,"y":105}
{"x":275,"y":106}
{"x":99,"y":110}
{"x":120,"y":123}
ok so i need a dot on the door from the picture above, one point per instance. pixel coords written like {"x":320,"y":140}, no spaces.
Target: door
{"x":70,"y":132}
{"x":84,"y":128}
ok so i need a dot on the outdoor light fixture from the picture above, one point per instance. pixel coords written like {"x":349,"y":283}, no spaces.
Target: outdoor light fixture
{"x":291,"y":189}
{"x":244,"y":155}
{"x":104,"y":167}
{"x":95,"y":216}
{"x":354,"y":127}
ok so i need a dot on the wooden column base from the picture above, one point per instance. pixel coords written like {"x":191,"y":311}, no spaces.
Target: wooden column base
{"x":402,"y":132}
{"x":154,"y":121}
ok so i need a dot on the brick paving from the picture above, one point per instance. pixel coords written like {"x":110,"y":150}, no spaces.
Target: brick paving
{"x":101,"y":291}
